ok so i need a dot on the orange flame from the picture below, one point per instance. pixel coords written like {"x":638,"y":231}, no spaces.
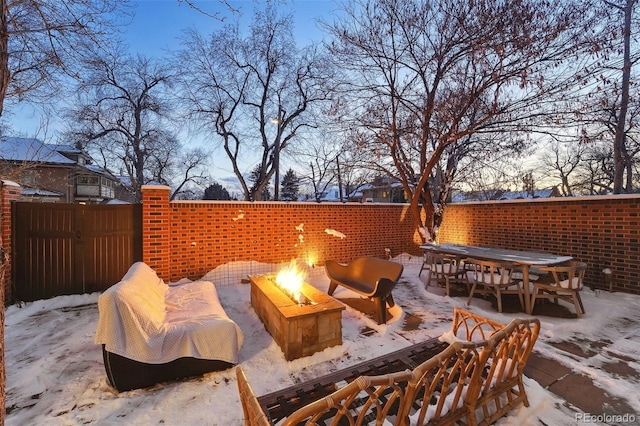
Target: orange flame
{"x":290,"y":279}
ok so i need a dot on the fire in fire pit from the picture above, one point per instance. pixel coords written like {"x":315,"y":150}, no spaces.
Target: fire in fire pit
{"x":290,"y":280}
{"x":299,"y":329}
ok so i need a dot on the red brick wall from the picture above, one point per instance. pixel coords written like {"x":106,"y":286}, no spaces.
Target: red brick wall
{"x":602,"y":231}
{"x":189,"y":238}
{"x":10,"y":192}
{"x":156,"y":229}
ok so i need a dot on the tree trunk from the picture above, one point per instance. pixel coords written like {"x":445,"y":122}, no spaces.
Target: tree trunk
{"x":341,"y":193}
{"x":4,"y":53}
{"x":422,"y":206}
{"x":4,"y":82}
{"x":619,"y":141}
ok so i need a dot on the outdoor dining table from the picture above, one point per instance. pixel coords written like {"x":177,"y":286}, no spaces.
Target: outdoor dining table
{"x":524,"y":259}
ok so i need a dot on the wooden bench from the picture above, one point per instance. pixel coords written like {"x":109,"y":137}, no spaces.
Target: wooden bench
{"x":477,"y":378}
{"x":368,"y":276}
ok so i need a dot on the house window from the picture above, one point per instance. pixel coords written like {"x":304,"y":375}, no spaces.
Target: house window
{"x":88,"y":180}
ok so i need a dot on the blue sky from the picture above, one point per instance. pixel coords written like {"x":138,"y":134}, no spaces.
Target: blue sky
{"x":156,"y":29}
{"x":159,"y":23}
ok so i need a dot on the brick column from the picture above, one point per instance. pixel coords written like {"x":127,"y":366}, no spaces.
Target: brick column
{"x":156,"y":229}
{"x":10,"y":192}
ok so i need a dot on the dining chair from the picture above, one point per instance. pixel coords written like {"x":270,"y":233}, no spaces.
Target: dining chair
{"x":443,"y":268}
{"x":495,"y":278}
{"x":567,"y":280}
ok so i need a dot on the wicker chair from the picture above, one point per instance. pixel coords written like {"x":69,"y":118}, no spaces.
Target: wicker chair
{"x":253,"y":414}
{"x":444,"y":269}
{"x":443,"y":389}
{"x":476,"y":380}
{"x":502,"y":385}
{"x":364,"y":401}
{"x":493,"y":278}
{"x":566,"y":285}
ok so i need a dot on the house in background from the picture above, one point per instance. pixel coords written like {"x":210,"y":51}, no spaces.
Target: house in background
{"x":495,"y":195}
{"x":383,"y":189}
{"x":330,"y":194}
{"x":54,"y":173}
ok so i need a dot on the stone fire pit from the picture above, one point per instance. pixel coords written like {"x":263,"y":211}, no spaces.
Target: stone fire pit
{"x":299,"y":328}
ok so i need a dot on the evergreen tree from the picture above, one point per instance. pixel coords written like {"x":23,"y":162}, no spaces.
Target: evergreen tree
{"x":255,"y":177}
{"x":290,"y":186}
{"x":215,"y":191}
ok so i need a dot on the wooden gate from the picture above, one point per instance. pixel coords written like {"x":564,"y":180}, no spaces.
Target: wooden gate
{"x":63,"y":249}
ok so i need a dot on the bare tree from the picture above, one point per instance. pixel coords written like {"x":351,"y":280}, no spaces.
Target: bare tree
{"x":602,"y":99}
{"x":40,"y":42}
{"x":619,"y":147}
{"x":319,"y":154}
{"x":597,"y":116}
{"x":596,"y":172}
{"x":253,"y":91}
{"x":427,"y":75}
{"x":122,"y":117}
{"x":179,"y":167}
{"x":562,"y":161}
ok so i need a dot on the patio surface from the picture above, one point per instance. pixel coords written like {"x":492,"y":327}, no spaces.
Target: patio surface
{"x":578,"y":390}
{"x":579,"y":366}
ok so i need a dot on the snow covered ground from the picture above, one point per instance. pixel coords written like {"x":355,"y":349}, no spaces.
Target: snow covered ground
{"x":55,"y":374}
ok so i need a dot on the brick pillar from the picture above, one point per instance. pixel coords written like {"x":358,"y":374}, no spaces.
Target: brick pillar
{"x":10,"y":192}
{"x":156,"y":229}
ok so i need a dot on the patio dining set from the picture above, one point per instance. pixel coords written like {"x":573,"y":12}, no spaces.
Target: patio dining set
{"x":492,"y":271}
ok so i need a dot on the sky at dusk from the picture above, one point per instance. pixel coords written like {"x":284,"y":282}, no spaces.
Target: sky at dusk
{"x":159,"y":24}
{"x":155,"y":31}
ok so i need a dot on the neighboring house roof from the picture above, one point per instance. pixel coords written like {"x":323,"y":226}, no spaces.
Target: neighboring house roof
{"x":34,"y":150}
{"x":30,"y":149}
{"x":116,"y":201}
{"x":98,"y":169}
{"x":462,"y":197}
{"x":67,"y":148}
{"x":519,"y":195}
{"x":331,"y":193}
{"x":35,"y":192}
{"x":39,"y":154}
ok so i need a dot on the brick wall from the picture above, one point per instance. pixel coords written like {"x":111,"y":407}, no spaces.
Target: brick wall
{"x":157,"y":223}
{"x":10,"y":191}
{"x":602,"y":231}
{"x":189,"y":238}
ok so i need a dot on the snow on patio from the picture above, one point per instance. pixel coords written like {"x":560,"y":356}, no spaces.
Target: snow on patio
{"x":55,"y":374}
